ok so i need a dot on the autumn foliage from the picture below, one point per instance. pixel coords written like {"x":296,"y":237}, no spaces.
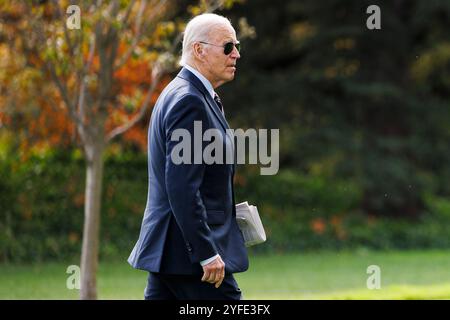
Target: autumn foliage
{"x":31,"y":104}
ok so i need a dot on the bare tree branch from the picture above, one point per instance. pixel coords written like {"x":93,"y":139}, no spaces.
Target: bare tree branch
{"x":48,"y":67}
{"x":66,"y":33}
{"x":64,"y":94}
{"x":139,"y":27}
{"x":128,"y":12}
{"x":114,"y":8}
{"x":140,"y":115}
{"x":214,"y":6}
{"x":82,"y":79}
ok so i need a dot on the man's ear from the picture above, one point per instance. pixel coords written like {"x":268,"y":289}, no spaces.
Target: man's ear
{"x":199,"y":51}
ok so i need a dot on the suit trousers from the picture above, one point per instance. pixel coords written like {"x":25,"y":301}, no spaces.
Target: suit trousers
{"x":189,"y":287}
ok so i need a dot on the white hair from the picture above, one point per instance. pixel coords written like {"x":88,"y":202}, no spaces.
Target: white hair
{"x":198,"y":29}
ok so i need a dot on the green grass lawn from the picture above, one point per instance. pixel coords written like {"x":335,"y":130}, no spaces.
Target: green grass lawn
{"x":324,"y":275}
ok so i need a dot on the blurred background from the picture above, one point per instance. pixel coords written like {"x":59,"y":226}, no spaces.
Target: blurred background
{"x":364,"y":120}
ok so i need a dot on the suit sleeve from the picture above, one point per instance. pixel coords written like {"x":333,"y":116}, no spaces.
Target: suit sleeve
{"x":183,"y":180}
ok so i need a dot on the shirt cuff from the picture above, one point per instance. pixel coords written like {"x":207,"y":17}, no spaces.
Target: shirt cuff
{"x":205,"y":262}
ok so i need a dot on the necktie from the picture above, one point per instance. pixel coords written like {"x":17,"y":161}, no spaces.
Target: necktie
{"x":219,"y":103}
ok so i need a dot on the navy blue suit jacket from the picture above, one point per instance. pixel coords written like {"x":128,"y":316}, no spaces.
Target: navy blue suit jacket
{"x":190,"y":214}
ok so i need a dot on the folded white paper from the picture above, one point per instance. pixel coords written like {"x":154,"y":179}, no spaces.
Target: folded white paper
{"x":249,"y":222}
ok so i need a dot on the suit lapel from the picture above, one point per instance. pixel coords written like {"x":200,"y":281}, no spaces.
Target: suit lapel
{"x":222,"y":119}
{"x":189,"y":76}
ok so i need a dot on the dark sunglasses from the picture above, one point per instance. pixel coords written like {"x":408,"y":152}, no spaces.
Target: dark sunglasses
{"x":227,"y":47}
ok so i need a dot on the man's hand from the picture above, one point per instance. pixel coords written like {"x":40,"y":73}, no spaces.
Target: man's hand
{"x":214,"y":272}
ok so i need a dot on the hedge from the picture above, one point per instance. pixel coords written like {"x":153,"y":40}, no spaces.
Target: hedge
{"x":42,"y":199}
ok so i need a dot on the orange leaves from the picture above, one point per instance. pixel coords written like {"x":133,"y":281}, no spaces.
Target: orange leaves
{"x":73,"y":237}
{"x":138,"y":136}
{"x":336,"y":221}
{"x":34,"y":93}
{"x":78,"y":200}
{"x":132,"y":82}
{"x":135,"y":73}
{"x":240,"y":180}
{"x":53,"y":126}
{"x":318,"y":225}
{"x":335,"y":224}
{"x":4,"y":119}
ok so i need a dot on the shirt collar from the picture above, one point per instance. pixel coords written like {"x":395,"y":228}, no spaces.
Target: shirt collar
{"x":202,"y":78}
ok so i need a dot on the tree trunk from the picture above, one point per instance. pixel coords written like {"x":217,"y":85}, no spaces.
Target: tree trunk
{"x":89,"y":253}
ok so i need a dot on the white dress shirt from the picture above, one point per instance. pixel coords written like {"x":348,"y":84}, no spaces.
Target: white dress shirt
{"x":202,"y":78}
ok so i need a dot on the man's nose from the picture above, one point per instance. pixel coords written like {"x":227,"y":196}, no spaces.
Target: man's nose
{"x":235,"y":53}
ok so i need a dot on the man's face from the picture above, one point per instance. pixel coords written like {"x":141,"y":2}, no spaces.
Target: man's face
{"x":221,"y":67}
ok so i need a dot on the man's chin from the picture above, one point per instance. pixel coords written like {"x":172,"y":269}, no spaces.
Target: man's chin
{"x":229,"y":77}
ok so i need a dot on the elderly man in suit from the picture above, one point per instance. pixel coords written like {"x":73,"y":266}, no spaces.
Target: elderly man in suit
{"x":189,"y":240}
